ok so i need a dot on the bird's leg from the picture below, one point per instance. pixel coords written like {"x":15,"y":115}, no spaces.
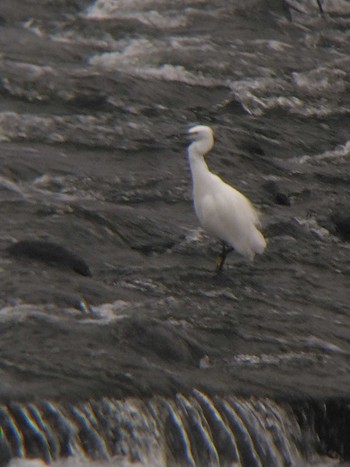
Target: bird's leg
{"x":320,"y":7}
{"x":220,"y":260}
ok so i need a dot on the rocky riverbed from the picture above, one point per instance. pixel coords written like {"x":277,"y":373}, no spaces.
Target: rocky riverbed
{"x":95,"y":99}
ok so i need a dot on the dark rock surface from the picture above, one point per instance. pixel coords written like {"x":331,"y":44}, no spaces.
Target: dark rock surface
{"x":49,"y":253}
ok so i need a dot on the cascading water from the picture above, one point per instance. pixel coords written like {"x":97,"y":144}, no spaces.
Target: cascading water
{"x":194,"y":430}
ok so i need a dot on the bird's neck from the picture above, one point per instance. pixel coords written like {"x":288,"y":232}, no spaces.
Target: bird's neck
{"x":198,"y":165}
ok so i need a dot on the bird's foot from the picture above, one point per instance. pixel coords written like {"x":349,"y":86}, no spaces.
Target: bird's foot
{"x":220,"y":260}
{"x":219,"y":263}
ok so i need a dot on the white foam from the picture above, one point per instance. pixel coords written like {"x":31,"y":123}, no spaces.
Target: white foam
{"x":275,"y":45}
{"x":21,"y":312}
{"x":107,"y":312}
{"x":194,"y":239}
{"x":251,"y":94}
{"x":130,"y":53}
{"x":321,"y":80}
{"x":86,"y":129}
{"x":179,"y":73}
{"x":339,"y":152}
{"x":9,"y":185}
{"x":218,"y":293}
{"x":16,"y":126}
{"x":147,"y":12}
{"x":81,"y":461}
{"x":317,"y":343}
{"x":105,"y":9}
{"x":341,"y":7}
{"x":27,"y":463}
{"x":139,"y":58}
{"x":102,"y":314}
{"x":31,"y":25}
{"x":272,"y":359}
{"x":314,"y":227}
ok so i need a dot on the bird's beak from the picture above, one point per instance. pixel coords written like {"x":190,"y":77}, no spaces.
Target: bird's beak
{"x":190,"y":135}
{"x":182,"y":135}
{"x":181,"y":138}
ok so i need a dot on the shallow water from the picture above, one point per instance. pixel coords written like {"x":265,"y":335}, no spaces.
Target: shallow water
{"x":94,"y":99}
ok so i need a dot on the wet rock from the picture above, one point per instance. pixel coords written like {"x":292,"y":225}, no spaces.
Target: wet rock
{"x":51,"y":254}
{"x":163,"y":340}
{"x":330,"y":420}
{"x":290,"y":228}
{"x":278,"y":195}
{"x":341,"y":222}
{"x":5,"y":452}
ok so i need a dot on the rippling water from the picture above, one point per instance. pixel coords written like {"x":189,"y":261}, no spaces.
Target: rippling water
{"x":95,"y":96}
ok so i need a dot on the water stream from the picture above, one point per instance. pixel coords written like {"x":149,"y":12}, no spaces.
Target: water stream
{"x":118,"y":343}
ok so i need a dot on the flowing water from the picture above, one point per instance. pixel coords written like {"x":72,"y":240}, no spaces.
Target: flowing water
{"x":124,"y":348}
{"x":188,"y":431}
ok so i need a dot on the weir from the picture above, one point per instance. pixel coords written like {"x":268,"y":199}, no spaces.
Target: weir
{"x":192,"y":430}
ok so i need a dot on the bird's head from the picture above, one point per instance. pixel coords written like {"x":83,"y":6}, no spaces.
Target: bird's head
{"x":202,"y":137}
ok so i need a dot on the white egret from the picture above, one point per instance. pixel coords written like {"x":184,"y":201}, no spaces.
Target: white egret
{"x":223,"y":211}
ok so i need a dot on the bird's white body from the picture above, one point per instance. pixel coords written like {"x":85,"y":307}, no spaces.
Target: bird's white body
{"x":222,"y":210}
